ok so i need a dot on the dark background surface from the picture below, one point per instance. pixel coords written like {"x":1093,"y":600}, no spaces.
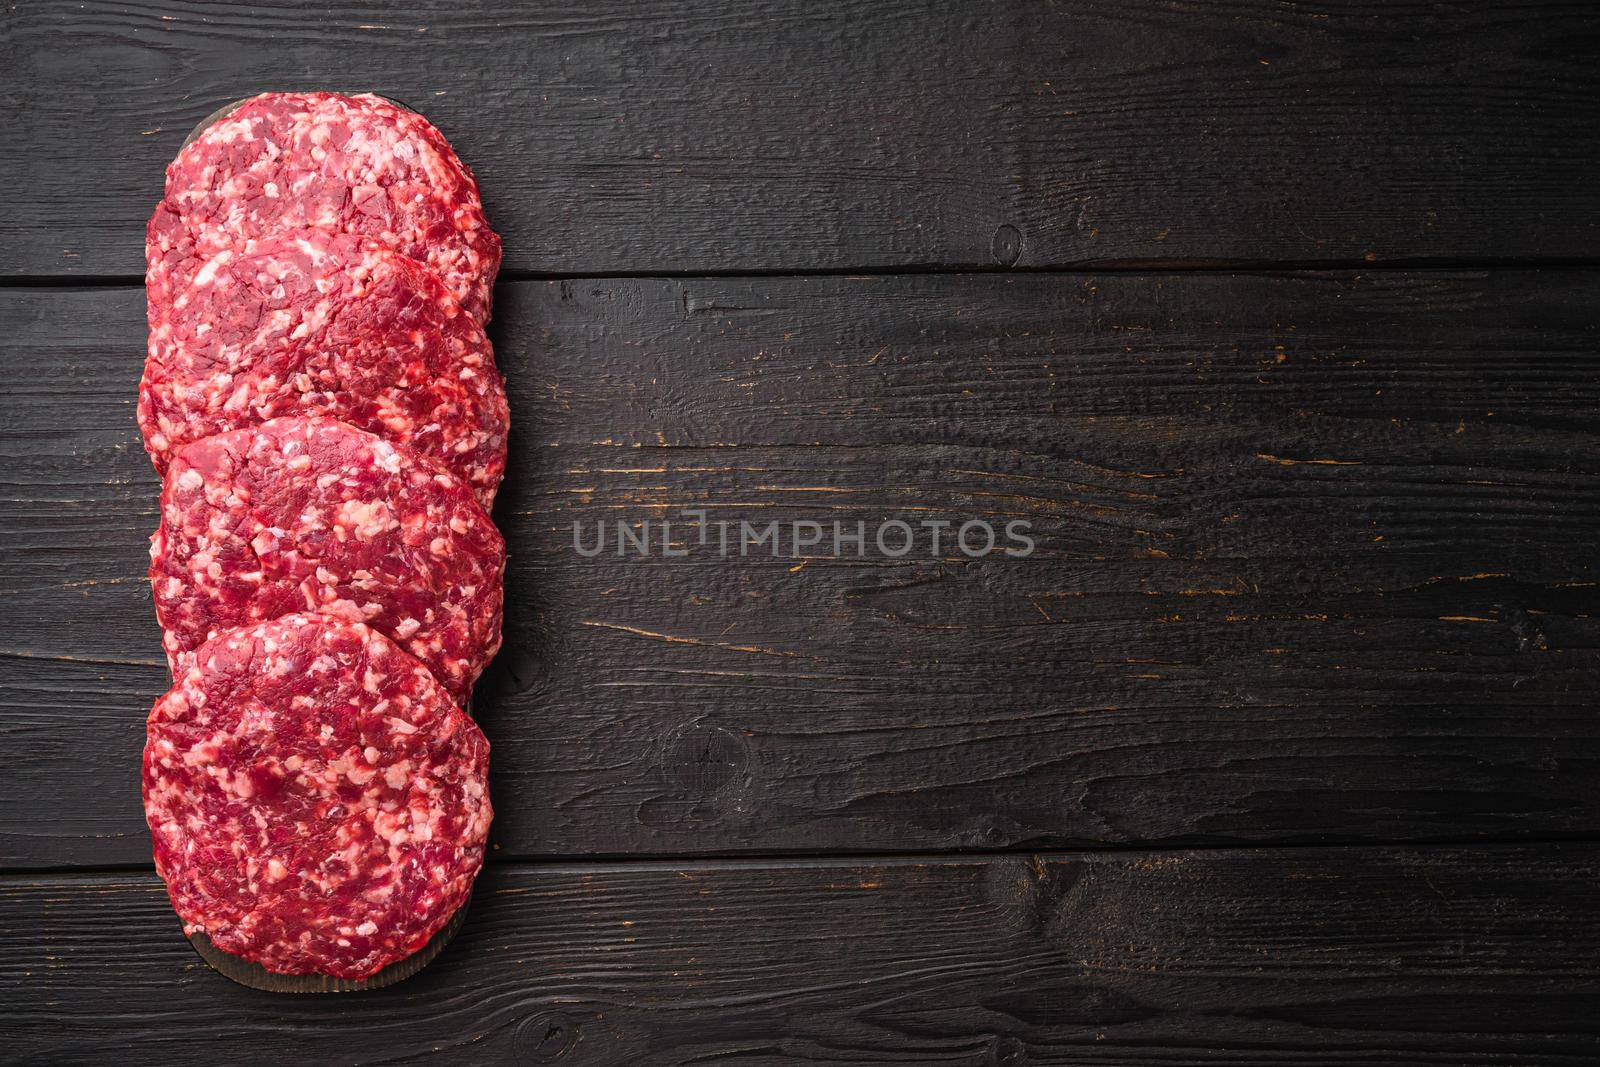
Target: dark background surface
{"x":1278,"y":323}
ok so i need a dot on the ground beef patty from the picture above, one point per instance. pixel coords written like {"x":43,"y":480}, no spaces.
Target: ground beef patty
{"x":315,"y":515}
{"x":316,"y":323}
{"x":317,"y":802}
{"x":349,"y":164}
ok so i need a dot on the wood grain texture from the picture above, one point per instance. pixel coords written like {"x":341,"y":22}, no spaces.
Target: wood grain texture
{"x":851,"y":135}
{"x":1376,"y":956}
{"x":1316,"y":561}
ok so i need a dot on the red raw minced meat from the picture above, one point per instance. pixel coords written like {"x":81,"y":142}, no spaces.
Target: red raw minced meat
{"x":317,"y":802}
{"x":318,"y":323}
{"x":347,"y":164}
{"x":316,"y":515}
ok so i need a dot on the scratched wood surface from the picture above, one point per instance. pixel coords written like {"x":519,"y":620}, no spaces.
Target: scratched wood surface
{"x":1303,"y":666}
{"x":842,"y":134}
{"x":1264,"y":957}
{"x":1315,"y":561}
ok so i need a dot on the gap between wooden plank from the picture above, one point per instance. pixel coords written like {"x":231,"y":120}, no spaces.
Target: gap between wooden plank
{"x":1152,"y":267}
{"x":624,"y":860}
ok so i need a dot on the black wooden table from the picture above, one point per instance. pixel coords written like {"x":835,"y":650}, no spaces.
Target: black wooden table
{"x":1276,"y":321}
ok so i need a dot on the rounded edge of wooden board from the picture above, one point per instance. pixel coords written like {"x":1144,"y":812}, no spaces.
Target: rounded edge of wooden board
{"x":256,"y":976}
{"x":226,"y":109}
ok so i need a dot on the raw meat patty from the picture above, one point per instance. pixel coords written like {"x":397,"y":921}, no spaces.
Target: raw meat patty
{"x":349,"y":164}
{"x":315,"y":515}
{"x":318,"y":804}
{"x":316,"y":323}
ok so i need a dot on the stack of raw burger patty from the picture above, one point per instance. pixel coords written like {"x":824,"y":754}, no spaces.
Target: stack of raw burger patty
{"x":325,"y":410}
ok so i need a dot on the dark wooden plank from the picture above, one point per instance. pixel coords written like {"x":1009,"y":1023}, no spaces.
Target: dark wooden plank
{"x":1316,"y":561}
{"x":839,"y":134}
{"x":1278,"y":956}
